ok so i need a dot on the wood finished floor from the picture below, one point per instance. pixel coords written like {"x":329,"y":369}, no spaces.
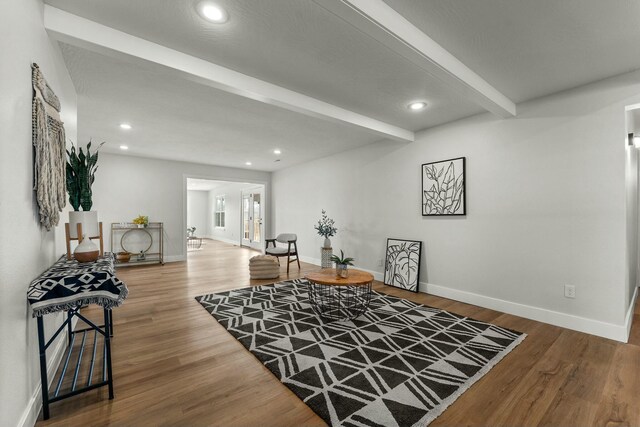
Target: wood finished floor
{"x":175,"y":365}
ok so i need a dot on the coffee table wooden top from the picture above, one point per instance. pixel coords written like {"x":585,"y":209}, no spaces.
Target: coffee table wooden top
{"x":328,"y":276}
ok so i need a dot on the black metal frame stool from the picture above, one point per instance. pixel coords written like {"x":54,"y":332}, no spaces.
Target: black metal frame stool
{"x":69,"y":285}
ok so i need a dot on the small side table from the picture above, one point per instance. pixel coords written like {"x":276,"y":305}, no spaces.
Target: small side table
{"x":326,"y":257}
{"x":194,"y":242}
{"x":339,"y":298}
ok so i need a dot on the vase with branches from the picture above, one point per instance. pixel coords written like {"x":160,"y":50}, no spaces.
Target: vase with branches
{"x":326,"y":228}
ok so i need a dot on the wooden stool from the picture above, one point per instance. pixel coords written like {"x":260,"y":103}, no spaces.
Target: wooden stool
{"x":79,"y":238}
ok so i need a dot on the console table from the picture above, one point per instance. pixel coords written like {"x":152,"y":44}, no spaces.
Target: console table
{"x":145,"y":244}
{"x":67,"y":286}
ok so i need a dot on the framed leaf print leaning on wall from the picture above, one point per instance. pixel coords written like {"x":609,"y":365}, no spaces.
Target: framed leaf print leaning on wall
{"x":443,"y":188}
{"x":402,"y":265}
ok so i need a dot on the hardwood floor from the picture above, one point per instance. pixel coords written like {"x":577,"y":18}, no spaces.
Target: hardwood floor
{"x":175,"y":365}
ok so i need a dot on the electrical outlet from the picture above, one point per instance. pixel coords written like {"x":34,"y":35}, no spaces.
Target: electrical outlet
{"x":380,"y":263}
{"x":569,"y":291}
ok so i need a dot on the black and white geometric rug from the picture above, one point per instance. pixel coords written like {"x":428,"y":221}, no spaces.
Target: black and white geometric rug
{"x":399,"y":364}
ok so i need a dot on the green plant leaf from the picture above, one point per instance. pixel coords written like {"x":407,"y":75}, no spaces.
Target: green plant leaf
{"x":341,"y":259}
{"x":80,"y":175}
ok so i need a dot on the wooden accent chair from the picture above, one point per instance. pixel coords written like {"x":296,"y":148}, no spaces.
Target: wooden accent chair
{"x":279,"y":251}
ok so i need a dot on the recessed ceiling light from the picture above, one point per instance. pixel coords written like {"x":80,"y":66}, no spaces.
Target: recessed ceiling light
{"x":124,"y":147}
{"x":248,"y":163}
{"x":417,"y":106}
{"x":213,"y":13}
{"x":126,"y":126}
{"x":276,"y":151}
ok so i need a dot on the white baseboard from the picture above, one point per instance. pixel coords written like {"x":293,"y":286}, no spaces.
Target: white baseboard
{"x":174,"y":258}
{"x":310,"y":260}
{"x":31,"y":412}
{"x":225,"y":240}
{"x":564,"y":320}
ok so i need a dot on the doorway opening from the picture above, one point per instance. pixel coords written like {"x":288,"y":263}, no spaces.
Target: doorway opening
{"x":225,"y":211}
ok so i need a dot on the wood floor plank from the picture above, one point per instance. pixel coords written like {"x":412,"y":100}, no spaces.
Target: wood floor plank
{"x":174,"y":365}
{"x":529,"y":401}
{"x":618,"y":405}
{"x":485,"y":398}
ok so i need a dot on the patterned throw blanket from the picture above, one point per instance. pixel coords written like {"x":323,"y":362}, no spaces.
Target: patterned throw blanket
{"x":69,"y":284}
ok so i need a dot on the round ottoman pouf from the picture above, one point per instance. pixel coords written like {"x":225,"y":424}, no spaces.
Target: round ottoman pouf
{"x":264,"y":267}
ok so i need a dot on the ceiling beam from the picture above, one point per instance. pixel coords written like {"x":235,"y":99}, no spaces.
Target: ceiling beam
{"x":380,"y":21}
{"x":81,"y":32}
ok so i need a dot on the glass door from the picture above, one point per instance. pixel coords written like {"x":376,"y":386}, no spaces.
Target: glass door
{"x":252,"y":218}
{"x":246,"y":219}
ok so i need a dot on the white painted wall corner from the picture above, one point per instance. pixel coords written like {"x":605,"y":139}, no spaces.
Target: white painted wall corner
{"x":628,"y":320}
{"x":175,"y":258}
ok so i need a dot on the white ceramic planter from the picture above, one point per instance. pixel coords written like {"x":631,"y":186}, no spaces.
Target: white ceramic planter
{"x":89,"y":221}
{"x":327,"y":243}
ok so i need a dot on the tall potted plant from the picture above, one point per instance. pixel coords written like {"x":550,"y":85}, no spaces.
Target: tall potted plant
{"x":80,"y":171}
{"x":325,"y":228}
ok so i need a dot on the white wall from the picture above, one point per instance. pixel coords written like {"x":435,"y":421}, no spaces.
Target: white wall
{"x":128,"y":186}
{"x":631,"y":176}
{"x":546,"y":207}
{"x":197,"y":211}
{"x":25,"y":249}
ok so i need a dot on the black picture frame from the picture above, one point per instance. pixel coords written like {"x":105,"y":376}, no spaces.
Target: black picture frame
{"x":393,"y":277}
{"x":431,"y":202}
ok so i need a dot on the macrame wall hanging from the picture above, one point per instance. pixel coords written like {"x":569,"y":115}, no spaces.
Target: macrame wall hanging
{"x":49,"y":148}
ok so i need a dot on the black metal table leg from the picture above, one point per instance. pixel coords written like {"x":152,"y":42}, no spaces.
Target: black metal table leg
{"x":107,"y":338}
{"x":111,"y":321}
{"x":43,"y":369}
{"x":69,"y":329}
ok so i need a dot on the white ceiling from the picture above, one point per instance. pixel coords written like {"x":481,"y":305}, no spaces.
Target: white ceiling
{"x":528,"y":49}
{"x":177,"y":119}
{"x":525,"y":49}
{"x":292,"y":43}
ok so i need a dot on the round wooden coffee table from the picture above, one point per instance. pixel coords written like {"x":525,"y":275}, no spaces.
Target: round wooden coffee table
{"x":338,"y":298}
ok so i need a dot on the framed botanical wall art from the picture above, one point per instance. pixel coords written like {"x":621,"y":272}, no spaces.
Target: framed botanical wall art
{"x":402,"y":265}
{"x":443,"y":188}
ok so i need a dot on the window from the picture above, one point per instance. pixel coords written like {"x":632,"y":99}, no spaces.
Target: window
{"x":219,"y":213}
